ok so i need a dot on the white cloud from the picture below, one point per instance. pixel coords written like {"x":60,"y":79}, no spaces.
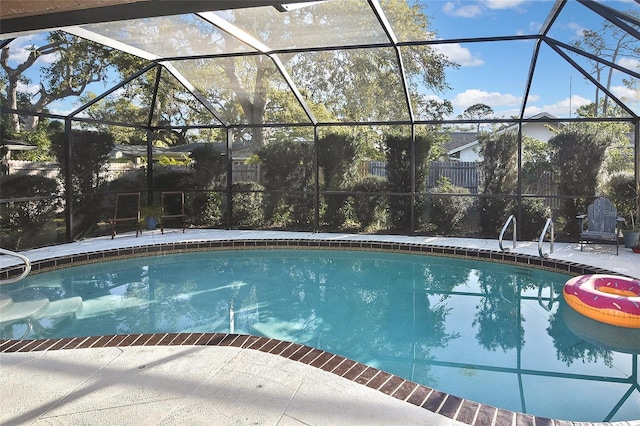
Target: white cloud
{"x":503,"y":4}
{"x":472,"y":10}
{"x":493,"y":99}
{"x":534,"y":26}
{"x":28,"y":88}
{"x":623,"y":92}
{"x":577,"y":29}
{"x":630,"y":63}
{"x":20,"y":50}
{"x":458,"y":54}
{"x":462,"y":10}
{"x":561,"y":108}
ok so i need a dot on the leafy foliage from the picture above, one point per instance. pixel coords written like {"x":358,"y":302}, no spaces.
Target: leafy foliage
{"x":447,"y":211}
{"x":620,"y":189}
{"x":76,"y":63}
{"x":399,"y":174}
{"x":25,"y":220}
{"x":288,"y":168}
{"x":534,"y":215}
{"x":337,"y":160}
{"x":210,"y":166}
{"x":577,"y":153}
{"x":499,"y":172}
{"x":89,"y":153}
{"x":247,"y":208}
{"x":369,"y":208}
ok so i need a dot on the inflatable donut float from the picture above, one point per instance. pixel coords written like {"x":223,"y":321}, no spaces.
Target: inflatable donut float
{"x":606,"y":298}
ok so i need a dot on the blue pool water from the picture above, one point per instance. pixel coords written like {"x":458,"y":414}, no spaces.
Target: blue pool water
{"x":492,"y":333}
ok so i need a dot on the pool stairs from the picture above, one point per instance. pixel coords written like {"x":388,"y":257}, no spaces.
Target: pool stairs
{"x":40,"y":307}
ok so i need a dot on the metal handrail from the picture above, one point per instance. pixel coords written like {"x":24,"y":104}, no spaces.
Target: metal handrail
{"x":504,"y":228}
{"x":541,"y":240}
{"x":27,"y":267}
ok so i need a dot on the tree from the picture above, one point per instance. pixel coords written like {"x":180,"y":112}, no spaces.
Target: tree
{"x":25,"y":221}
{"x":89,"y":154}
{"x":611,"y":43}
{"x":399,"y":165}
{"x":499,"y":174}
{"x":337,"y":155}
{"x":353,"y":84}
{"x":447,"y":211}
{"x":288,"y":171}
{"x":476,"y":112}
{"x":577,"y":154}
{"x":76,"y":63}
{"x":88,"y":157}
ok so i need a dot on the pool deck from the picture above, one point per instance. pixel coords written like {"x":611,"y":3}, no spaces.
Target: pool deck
{"x":223,"y":379}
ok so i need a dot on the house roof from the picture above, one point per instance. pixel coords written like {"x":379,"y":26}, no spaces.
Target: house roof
{"x":460,"y":142}
{"x":459,"y":139}
{"x":17,"y":145}
{"x":121,"y":151}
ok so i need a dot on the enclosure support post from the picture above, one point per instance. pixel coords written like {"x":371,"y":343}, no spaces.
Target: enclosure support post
{"x":67,"y":180}
{"x":150,"y":137}
{"x":316,"y":168}
{"x":413,"y":178}
{"x":229,"y":212}
{"x":636,"y":162}
{"x":149,"y":167}
{"x":519,"y":183}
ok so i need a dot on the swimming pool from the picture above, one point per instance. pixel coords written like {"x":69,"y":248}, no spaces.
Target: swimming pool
{"x":488,"y":332}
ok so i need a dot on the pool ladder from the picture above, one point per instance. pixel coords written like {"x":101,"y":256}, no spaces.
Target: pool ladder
{"x":27,"y":266}
{"x":548,"y":226}
{"x":511,"y":218}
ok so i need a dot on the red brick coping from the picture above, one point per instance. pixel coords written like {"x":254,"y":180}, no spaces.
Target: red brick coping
{"x":462,"y":410}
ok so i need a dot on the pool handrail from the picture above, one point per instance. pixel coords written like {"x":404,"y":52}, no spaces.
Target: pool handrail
{"x":27,"y":267}
{"x":511,"y":218}
{"x":549,"y":223}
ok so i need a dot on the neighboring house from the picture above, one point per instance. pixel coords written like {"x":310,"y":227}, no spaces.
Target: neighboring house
{"x":462,"y":146}
{"x":465,"y":146}
{"x":137,"y":154}
{"x":9,"y":166}
{"x":240,"y":153}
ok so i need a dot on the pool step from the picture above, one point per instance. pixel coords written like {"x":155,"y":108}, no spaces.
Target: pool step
{"x":12,"y":312}
{"x":59,"y":308}
{"x":107,"y":304}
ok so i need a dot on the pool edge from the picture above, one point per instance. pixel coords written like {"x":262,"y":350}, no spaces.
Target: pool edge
{"x":450,"y":406}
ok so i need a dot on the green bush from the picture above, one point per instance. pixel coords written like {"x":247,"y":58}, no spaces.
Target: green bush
{"x":534,"y":215}
{"x":620,"y":189}
{"x":577,"y":154}
{"x":288,"y":166}
{"x":23,"y":222}
{"x":499,"y":173}
{"x":337,"y":155}
{"x":247,"y":207}
{"x":206,"y":209}
{"x":398,"y":153}
{"x":367,"y":208}
{"x":447,"y":211}
{"x":494,"y":211}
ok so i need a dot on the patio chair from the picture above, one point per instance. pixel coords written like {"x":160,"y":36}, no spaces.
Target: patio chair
{"x":603,"y":223}
{"x":127,"y":210}
{"x":172,"y":203}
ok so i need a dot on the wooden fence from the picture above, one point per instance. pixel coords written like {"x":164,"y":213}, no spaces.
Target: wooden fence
{"x":461,"y":173}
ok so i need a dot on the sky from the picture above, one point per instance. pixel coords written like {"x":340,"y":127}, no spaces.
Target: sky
{"x":497,"y":76}
{"x":494,"y":73}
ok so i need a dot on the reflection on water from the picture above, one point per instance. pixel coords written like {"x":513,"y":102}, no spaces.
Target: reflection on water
{"x":492,"y":333}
